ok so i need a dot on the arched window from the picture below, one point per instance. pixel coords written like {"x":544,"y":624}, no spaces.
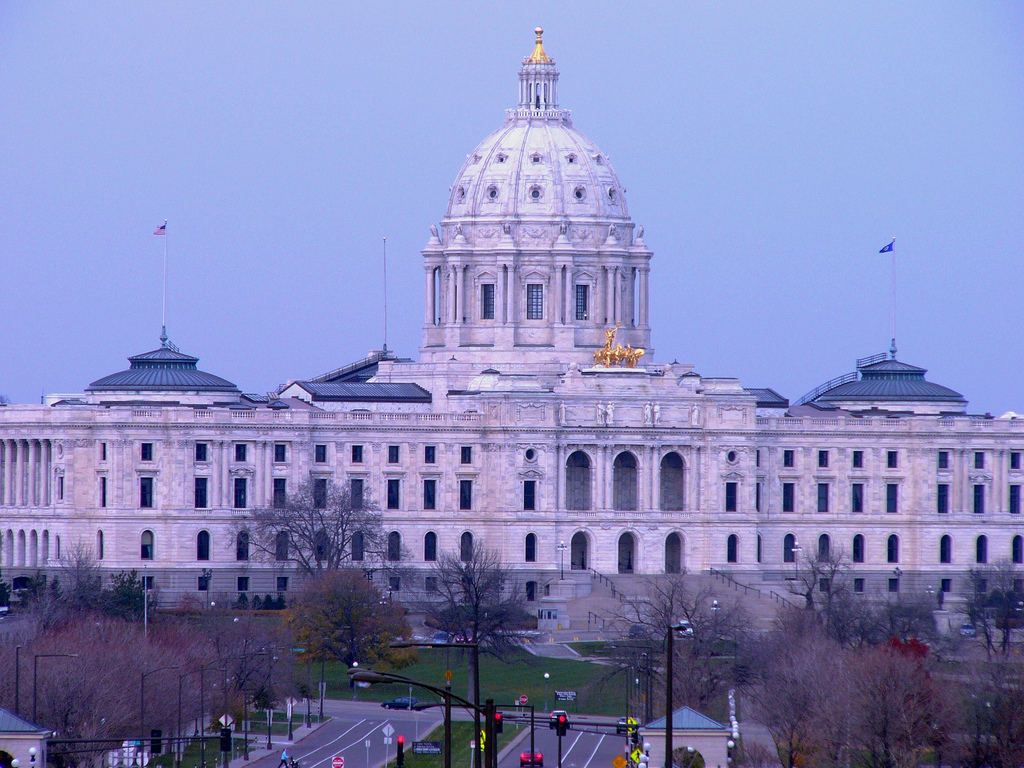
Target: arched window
{"x":147,"y":545}
{"x":321,"y":545}
{"x":56,"y":547}
{"x":466,"y":547}
{"x":394,"y":546}
{"x":627,"y":547}
{"x":672,"y":482}
{"x":732,"y":547}
{"x":789,"y":548}
{"x":577,"y":481}
{"x":624,"y":481}
{"x":892,"y":549}
{"x":824,"y":547}
{"x":33,"y":548}
{"x":531,"y":548}
{"x":579,"y":555}
{"x":281,"y":546}
{"x":45,"y":547}
{"x":1017,"y":549}
{"x":981,"y":549}
{"x":203,"y":545}
{"x":99,"y":545}
{"x":759,"y":547}
{"x":858,"y":548}
{"x":430,"y":547}
{"x":242,"y":546}
{"x":358,"y":546}
{"x":946,"y":549}
{"x":673,"y":553}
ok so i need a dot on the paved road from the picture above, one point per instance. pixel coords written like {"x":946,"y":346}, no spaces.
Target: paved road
{"x":579,"y":749}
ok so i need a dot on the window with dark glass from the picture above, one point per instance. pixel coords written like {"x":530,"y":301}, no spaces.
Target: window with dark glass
{"x":147,"y":451}
{"x":892,"y":459}
{"x":981,"y":550}
{"x":280,"y":452}
{"x":1014,"y":499}
{"x":203,"y":545}
{"x":280,"y":492}
{"x":732,"y":545}
{"x":529,"y":494}
{"x":858,"y":459}
{"x":320,"y":454}
{"x":430,"y":547}
{"x":201,"y":487}
{"x":242,"y":584}
{"x":203,"y":584}
{"x":430,"y":583}
{"x":757,"y":497}
{"x":357,"y":454}
{"x":891,"y":497}
{"x":730,"y":497}
{"x":582,"y":303}
{"x":465,"y":494}
{"x":430,"y":494}
{"x":430,"y":454}
{"x":979,"y":499}
{"x":1015,"y":460}
{"x":894,"y":585}
{"x":946,"y":549}
{"x":823,"y":497}
{"x":394,"y":552}
{"x":466,"y":547}
{"x":241,"y":497}
{"x":282,"y":545}
{"x":103,"y":491}
{"x":943,"y":459}
{"x":788,"y":458}
{"x":531,"y":591}
{"x":858,"y":549}
{"x":240,"y":452}
{"x":534,"y":302}
{"x":355,"y":491}
{"x":789,"y":548}
{"x":466,"y":455}
{"x":103,"y":451}
{"x":358,"y":546}
{"x":759,"y":547}
{"x":394,"y":493}
{"x":146,"y":492}
{"x":146,"y":552}
{"x":531,"y":548}
{"x":242,"y":547}
{"x":1017,"y":553}
{"x":282,"y":583}
{"x":202,"y":451}
{"x":946,"y":585}
{"x":320,"y":492}
{"x":979,"y":460}
{"x":393,"y":454}
{"x":942,"y":498}
{"x":892,"y":549}
{"x":857,"y":497}
{"x":822,"y":458}
{"x":858,"y":585}
{"x":487,"y":301}
{"x":757,"y":458}
{"x":394,"y":583}
{"x":788,"y":497}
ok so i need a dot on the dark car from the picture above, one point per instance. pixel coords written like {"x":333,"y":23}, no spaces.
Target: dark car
{"x":526,"y":760}
{"x":402,"y":702}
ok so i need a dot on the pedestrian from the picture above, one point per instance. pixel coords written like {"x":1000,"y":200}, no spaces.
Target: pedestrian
{"x":284,"y":760}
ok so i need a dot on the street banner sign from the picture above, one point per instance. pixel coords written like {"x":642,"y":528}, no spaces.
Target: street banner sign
{"x":427,"y":748}
{"x":565,"y":695}
{"x":338,"y":761}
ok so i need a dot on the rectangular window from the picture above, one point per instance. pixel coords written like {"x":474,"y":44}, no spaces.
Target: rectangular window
{"x":355,"y":491}
{"x":979,"y":499}
{"x":530,"y":494}
{"x":757,"y":497}
{"x":942,"y":499}
{"x":858,"y":586}
{"x":487,"y":301}
{"x":320,"y":492}
{"x":280,"y":492}
{"x":757,"y":458}
{"x":243,"y":584}
{"x":582,"y":303}
{"x":280,"y":452}
{"x":201,"y":488}
{"x":103,"y":491}
{"x":146,"y":492}
{"x":979,"y":460}
{"x":534,"y":302}
{"x":1014,"y":499}
{"x":823,"y":497}
{"x":241,"y":497}
{"x":394,"y":583}
{"x":467,"y":455}
{"x":892,"y":459}
{"x":430,"y":494}
{"x":946,"y":585}
{"x":858,"y":459}
{"x":822,"y":458}
{"x":788,"y":497}
{"x":203,"y":584}
{"x":943,"y":459}
{"x":147,"y":582}
{"x":892,"y":491}
{"x":282,"y":583}
{"x":857,"y":497}
{"x":894,"y":585}
{"x":357,"y":454}
{"x":393,"y":454}
{"x":202,"y":451}
{"x":60,"y":488}
{"x":465,"y":494}
{"x":394,"y":493}
{"x":320,"y":454}
{"x":147,"y":451}
{"x":430,"y":583}
{"x":788,"y":458}
{"x":103,"y":451}
{"x":240,"y":452}
{"x":1015,"y":460}
{"x":730,"y":497}
{"x":430,"y":454}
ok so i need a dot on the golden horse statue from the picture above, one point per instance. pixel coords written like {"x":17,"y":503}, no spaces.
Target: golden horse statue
{"x":609,"y":356}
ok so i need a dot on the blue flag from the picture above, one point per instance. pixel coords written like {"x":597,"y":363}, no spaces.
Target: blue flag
{"x":888,"y":248}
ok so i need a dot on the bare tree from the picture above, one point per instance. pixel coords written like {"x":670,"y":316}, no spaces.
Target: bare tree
{"x":994,"y":603}
{"x":317,"y":528}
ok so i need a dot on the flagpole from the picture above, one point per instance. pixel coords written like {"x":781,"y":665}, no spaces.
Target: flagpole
{"x":892,"y":347}
{"x":163,"y":309}
{"x":385,"y":295}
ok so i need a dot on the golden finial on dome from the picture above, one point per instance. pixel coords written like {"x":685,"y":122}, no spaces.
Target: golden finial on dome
{"x":538,"y":56}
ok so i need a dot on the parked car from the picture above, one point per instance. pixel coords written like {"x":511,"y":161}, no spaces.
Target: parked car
{"x":402,"y":702}
{"x":967,"y":629}
{"x":439,"y":638}
{"x":526,"y":760}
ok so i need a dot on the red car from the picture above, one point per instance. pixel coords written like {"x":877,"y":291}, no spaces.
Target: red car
{"x":526,"y":762}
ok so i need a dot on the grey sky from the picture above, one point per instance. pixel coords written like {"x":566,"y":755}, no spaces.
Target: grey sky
{"x":770,"y":149}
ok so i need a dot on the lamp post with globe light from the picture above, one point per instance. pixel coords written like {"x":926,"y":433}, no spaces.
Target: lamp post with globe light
{"x":547,"y":677}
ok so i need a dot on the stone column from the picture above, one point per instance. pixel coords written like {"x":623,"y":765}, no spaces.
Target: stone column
{"x":19,"y":478}
{"x":428,"y":298}
{"x":32,"y":495}
{"x":8,"y":489}
{"x":47,"y":476}
{"x":617,"y":293}
{"x":609,"y":296}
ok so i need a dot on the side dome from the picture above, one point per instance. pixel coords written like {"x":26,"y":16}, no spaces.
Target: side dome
{"x":163,"y":370}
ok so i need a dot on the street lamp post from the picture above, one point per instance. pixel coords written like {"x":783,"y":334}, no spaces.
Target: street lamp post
{"x":355,"y":685}
{"x":547,"y":676}
{"x":669,"y":653}
{"x":561,"y":558}
{"x":797,"y":549}
{"x":142,"y":696}
{"x":35,"y":676}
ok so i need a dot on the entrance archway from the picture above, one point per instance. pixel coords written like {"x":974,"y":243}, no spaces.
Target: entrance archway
{"x":627,"y":552}
{"x":578,"y":555}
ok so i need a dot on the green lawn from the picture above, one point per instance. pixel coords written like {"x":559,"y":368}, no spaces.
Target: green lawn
{"x":462,"y":733}
{"x":505,"y":680}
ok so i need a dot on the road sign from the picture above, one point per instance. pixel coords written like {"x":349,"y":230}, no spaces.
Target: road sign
{"x":367,"y":744}
{"x":619,"y":762}
{"x":448,"y":675}
{"x":388,"y":730}
{"x":427,"y":748}
{"x":338,"y":761}
{"x":524,"y":699}
{"x":635,"y":755}
{"x":565,"y":695}
{"x":226,"y":720}
{"x":387,"y":740}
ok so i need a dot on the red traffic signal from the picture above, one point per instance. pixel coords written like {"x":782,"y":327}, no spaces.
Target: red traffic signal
{"x":400,"y":757}
{"x":401,"y":739}
{"x":499,"y":723}
{"x":562,"y":725}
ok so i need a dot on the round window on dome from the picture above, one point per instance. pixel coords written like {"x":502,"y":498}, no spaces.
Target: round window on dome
{"x":492,"y":193}
{"x":611,"y":194}
{"x":462,"y":194}
{"x":579,"y":193}
{"x":535,"y":193}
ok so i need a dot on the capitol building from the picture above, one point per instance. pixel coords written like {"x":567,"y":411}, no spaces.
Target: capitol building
{"x":537,"y":422}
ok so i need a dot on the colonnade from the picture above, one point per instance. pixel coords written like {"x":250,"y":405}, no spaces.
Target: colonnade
{"x":26,"y":472}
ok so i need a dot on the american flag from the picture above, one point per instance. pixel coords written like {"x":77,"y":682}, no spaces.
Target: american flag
{"x":162,"y":229}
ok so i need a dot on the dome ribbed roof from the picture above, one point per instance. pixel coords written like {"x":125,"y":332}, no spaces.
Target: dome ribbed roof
{"x":890,"y":381}
{"x":163,"y":370}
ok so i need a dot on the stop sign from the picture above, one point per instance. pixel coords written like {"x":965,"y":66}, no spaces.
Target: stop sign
{"x":523,"y":699}
{"x":338,"y":762}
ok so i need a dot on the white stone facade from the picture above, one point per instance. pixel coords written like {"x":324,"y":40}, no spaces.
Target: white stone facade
{"x":635,"y":470}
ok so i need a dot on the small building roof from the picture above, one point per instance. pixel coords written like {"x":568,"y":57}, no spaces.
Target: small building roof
{"x":364,"y":391}
{"x":164,"y":369}
{"x":687,"y":719}
{"x":768,"y":398}
{"x":11,"y":723}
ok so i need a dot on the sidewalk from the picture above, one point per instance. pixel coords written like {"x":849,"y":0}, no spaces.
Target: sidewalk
{"x":263,"y":757}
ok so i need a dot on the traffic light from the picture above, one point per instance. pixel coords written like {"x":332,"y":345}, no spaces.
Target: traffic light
{"x":400,"y":759}
{"x":634,"y":734}
{"x":156,"y":742}
{"x":225,"y":739}
{"x":499,"y":723}
{"x":562,"y":725}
